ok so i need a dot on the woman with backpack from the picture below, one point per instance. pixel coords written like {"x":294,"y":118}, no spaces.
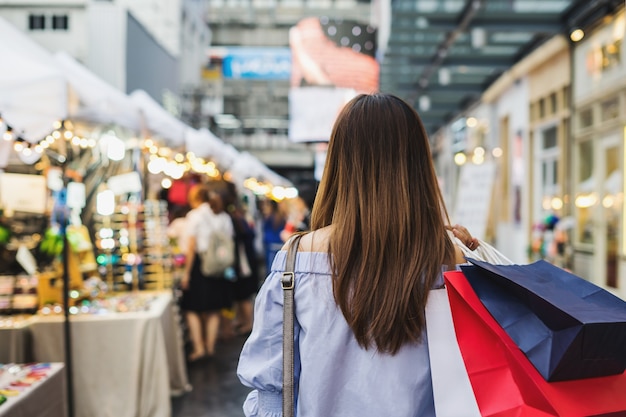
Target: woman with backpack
{"x":204,"y":295}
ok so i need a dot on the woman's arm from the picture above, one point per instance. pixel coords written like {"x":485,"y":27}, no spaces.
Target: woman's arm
{"x":190,"y":257}
{"x":261,"y":361}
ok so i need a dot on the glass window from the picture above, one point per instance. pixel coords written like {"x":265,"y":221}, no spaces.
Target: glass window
{"x":553,"y":103}
{"x":585,"y":118}
{"x":566,"y":96}
{"x":549,"y":138}
{"x":60,"y":22}
{"x":36,"y":22}
{"x":542,"y":108}
{"x":610,"y":109}
{"x":586,"y":197}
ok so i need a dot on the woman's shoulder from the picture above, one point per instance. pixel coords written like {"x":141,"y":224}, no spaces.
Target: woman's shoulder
{"x":315,"y":241}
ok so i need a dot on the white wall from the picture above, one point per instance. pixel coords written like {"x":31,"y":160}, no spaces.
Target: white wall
{"x":74,"y":40}
{"x":106,"y":57}
{"x":512,"y":237}
{"x":195,"y":39}
{"x":96,"y":34}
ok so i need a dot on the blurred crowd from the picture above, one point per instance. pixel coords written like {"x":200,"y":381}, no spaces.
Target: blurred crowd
{"x":220,"y":306}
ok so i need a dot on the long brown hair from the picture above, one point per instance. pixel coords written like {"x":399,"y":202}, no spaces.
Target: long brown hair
{"x":380,"y":192}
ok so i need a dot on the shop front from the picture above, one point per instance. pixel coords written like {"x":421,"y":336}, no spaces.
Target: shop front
{"x":598,"y":127}
{"x":549,"y":167}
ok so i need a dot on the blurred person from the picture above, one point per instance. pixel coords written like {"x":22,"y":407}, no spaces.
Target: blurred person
{"x":378,"y":244}
{"x":246,"y":267}
{"x":274,"y":221}
{"x":238,"y":321}
{"x":204,"y":296}
{"x":298,"y":219}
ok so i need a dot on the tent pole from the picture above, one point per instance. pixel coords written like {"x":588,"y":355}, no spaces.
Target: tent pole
{"x":66,"y":309}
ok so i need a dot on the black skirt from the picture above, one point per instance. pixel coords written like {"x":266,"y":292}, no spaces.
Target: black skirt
{"x":245,"y":288}
{"x":206,"y":294}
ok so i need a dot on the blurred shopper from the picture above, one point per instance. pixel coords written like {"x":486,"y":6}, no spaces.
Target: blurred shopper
{"x":274,"y":221}
{"x":298,"y":220}
{"x":378,"y":245}
{"x":246,"y":267}
{"x":204,"y":296}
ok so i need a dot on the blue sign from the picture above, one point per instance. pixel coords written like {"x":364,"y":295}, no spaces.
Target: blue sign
{"x":257,"y":63}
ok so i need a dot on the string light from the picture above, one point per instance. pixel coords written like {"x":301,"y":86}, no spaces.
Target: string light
{"x":8,"y":134}
{"x":162,"y":159}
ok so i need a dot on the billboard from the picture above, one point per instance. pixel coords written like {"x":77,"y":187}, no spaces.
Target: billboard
{"x":332,"y":61}
{"x":257,"y":63}
{"x":334,"y":52}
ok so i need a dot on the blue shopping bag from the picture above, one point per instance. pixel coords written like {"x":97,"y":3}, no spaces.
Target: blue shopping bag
{"x":568,"y":327}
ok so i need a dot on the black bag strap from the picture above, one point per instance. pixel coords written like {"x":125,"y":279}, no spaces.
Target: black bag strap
{"x":288,"y":282}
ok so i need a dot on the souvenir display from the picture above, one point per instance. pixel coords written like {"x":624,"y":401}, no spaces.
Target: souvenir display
{"x":119,"y":303}
{"x":18,"y":294}
{"x":16,"y":379}
{"x":133,"y":246}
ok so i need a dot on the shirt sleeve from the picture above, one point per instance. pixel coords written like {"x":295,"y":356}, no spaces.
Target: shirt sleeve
{"x":260,"y":363}
{"x":192,"y":224}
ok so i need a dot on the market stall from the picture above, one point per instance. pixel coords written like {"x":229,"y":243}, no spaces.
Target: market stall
{"x":128,"y":356}
{"x":32,"y":390}
{"x":85,"y":261}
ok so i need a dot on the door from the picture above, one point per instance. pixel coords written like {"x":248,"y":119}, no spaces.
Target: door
{"x":609,"y":220}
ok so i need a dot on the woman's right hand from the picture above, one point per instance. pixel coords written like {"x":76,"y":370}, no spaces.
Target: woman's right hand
{"x":464,"y":236}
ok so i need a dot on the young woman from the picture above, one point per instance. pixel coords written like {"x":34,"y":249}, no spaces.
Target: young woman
{"x":379,"y":243}
{"x":204,"y":296}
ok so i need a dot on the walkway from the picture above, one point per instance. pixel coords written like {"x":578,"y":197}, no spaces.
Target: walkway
{"x":217,"y":391}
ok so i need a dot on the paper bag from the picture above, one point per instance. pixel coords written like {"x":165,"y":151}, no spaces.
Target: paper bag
{"x":505,"y":382}
{"x":568,"y":327}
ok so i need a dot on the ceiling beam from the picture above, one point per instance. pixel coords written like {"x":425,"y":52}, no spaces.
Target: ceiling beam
{"x":469,"y":12}
{"x":408,"y":25}
{"x":478,"y":60}
{"x":408,"y":43}
{"x":458,"y":90}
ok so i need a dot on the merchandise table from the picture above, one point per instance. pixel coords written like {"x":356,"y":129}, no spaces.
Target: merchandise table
{"x":124,"y":364}
{"x":15,"y":340}
{"x":44,"y":398}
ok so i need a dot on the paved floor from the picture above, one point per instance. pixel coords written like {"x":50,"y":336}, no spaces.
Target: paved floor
{"x":217,"y":391}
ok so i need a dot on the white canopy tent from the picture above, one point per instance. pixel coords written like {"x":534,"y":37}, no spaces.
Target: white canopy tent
{"x":33,"y":91}
{"x":248,"y":166}
{"x":158,"y":120}
{"x":38,"y":89}
{"x":202,"y":142}
{"x":99,"y":102}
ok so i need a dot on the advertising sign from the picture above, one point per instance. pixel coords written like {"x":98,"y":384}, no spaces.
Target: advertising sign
{"x":256,"y":63}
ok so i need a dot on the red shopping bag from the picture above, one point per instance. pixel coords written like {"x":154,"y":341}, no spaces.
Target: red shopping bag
{"x":504,"y":381}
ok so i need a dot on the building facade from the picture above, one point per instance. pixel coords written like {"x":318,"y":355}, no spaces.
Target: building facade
{"x":598,"y":129}
{"x":132,"y":45}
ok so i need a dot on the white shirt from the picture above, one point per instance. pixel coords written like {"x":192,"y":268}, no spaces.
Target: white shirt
{"x":202,"y":222}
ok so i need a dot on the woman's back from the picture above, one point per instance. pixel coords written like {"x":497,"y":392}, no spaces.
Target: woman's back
{"x":363,"y":276}
{"x":336,"y":376}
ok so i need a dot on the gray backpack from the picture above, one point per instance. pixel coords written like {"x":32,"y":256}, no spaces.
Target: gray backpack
{"x":219,"y":256}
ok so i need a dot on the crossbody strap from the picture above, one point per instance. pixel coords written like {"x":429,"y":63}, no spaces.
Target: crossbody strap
{"x":288,"y":283}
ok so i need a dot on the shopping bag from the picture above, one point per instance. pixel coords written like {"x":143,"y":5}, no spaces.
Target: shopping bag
{"x":483,"y":252}
{"x":568,"y":327}
{"x":504,"y":381}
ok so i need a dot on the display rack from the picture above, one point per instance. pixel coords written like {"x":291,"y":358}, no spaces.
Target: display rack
{"x":133,"y":247}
